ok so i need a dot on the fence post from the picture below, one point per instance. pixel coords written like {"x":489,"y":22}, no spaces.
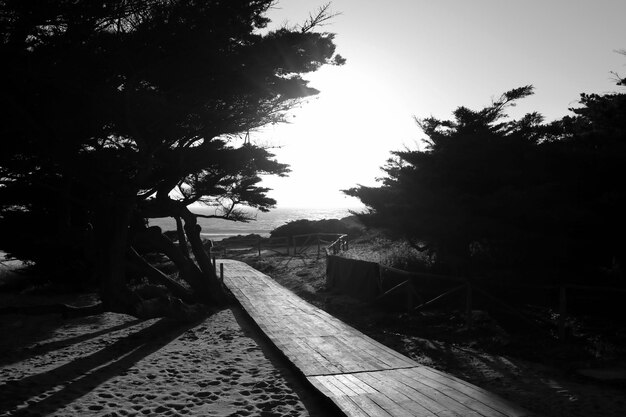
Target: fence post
{"x":222,"y":273}
{"x":562,"y":310}
{"x":468,"y":306}
{"x":259,"y":248}
{"x":214,"y":266}
{"x":318,"y":246}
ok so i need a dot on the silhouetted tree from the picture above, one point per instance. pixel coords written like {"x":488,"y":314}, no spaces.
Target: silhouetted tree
{"x":590,"y":157}
{"x":111,"y":106}
{"x":519,"y":193}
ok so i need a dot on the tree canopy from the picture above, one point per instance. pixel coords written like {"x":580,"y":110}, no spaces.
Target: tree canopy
{"x":118,"y":111}
{"x":520,"y":194}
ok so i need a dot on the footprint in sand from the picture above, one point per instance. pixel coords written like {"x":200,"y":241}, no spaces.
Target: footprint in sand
{"x":227,"y":371}
{"x":203,"y":399}
{"x":204,"y":384}
{"x":176,"y":406}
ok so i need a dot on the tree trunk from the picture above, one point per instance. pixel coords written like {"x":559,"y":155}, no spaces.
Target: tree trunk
{"x":153,"y":240}
{"x":192,"y":230}
{"x":154,"y":275}
{"x":182,"y":239}
{"x":197,"y":271}
{"x":111,"y":229}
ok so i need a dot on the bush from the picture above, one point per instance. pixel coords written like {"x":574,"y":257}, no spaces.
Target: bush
{"x":304,"y":227}
{"x":402,"y":256}
{"x":252,"y":238}
{"x":392,"y":253}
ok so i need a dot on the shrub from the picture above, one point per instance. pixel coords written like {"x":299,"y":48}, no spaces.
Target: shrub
{"x":304,"y":227}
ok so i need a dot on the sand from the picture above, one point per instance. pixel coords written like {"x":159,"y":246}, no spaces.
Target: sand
{"x":116,"y":365}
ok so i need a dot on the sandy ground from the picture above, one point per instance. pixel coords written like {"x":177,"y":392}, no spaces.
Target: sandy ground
{"x":116,"y":365}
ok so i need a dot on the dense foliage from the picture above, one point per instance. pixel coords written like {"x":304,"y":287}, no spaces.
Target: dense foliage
{"x":120,"y":110}
{"x":333,"y":226}
{"x":489,"y":192}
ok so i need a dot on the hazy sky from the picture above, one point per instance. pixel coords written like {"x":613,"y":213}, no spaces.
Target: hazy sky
{"x":422,"y":58}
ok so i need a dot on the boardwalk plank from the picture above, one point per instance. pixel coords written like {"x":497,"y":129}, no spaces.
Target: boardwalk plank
{"x":368,"y":405}
{"x":355,"y":384}
{"x":360,"y":375}
{"x":341,"y":385}
{"x":350,"y":408}
{"x":394,"y":390}
{"x":477,"y":397}
{"x":498,"y":403}
{"x":390,"y":406}
{"x":321,"y":383}
{"x":394,"y":402}
{"x":434,"y":401}
{"x":442,"y":396}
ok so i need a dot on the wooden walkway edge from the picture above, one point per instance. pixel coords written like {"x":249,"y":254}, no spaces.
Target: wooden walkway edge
{"x":361,"y":376}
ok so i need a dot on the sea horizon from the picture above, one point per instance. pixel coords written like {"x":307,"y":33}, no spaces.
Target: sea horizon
{"x":263,"y":223}
{"x":217,"y":229}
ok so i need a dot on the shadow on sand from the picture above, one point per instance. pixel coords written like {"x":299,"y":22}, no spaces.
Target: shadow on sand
{"x":21,"y":353}
{"x":50,"y":391}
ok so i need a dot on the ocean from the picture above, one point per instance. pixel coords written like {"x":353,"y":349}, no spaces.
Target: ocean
{"x":217,"y":229}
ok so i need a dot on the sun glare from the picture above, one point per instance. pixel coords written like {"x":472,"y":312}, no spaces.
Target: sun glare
{"x":337,"y":139}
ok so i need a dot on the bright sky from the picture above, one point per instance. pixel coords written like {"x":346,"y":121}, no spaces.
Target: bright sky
{"x":427,"y":57}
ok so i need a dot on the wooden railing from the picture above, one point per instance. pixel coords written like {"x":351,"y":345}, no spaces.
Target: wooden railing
{"x":408,"y":288}
{"x":296,"y":245}
{"x":341,"y":244}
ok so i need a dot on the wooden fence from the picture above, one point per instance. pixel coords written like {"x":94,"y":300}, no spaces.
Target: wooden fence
{"x":408,"y":288}
{"x":297,"y":245}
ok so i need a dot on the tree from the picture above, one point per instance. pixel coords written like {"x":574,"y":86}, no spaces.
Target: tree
{"x":112,"y":106}
{"x":448,"y":196}
{"x":519,"y":193}
{"x":590,"y":156}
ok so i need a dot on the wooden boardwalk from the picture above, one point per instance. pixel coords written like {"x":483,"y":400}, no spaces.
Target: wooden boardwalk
{"x":361,"y":376}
